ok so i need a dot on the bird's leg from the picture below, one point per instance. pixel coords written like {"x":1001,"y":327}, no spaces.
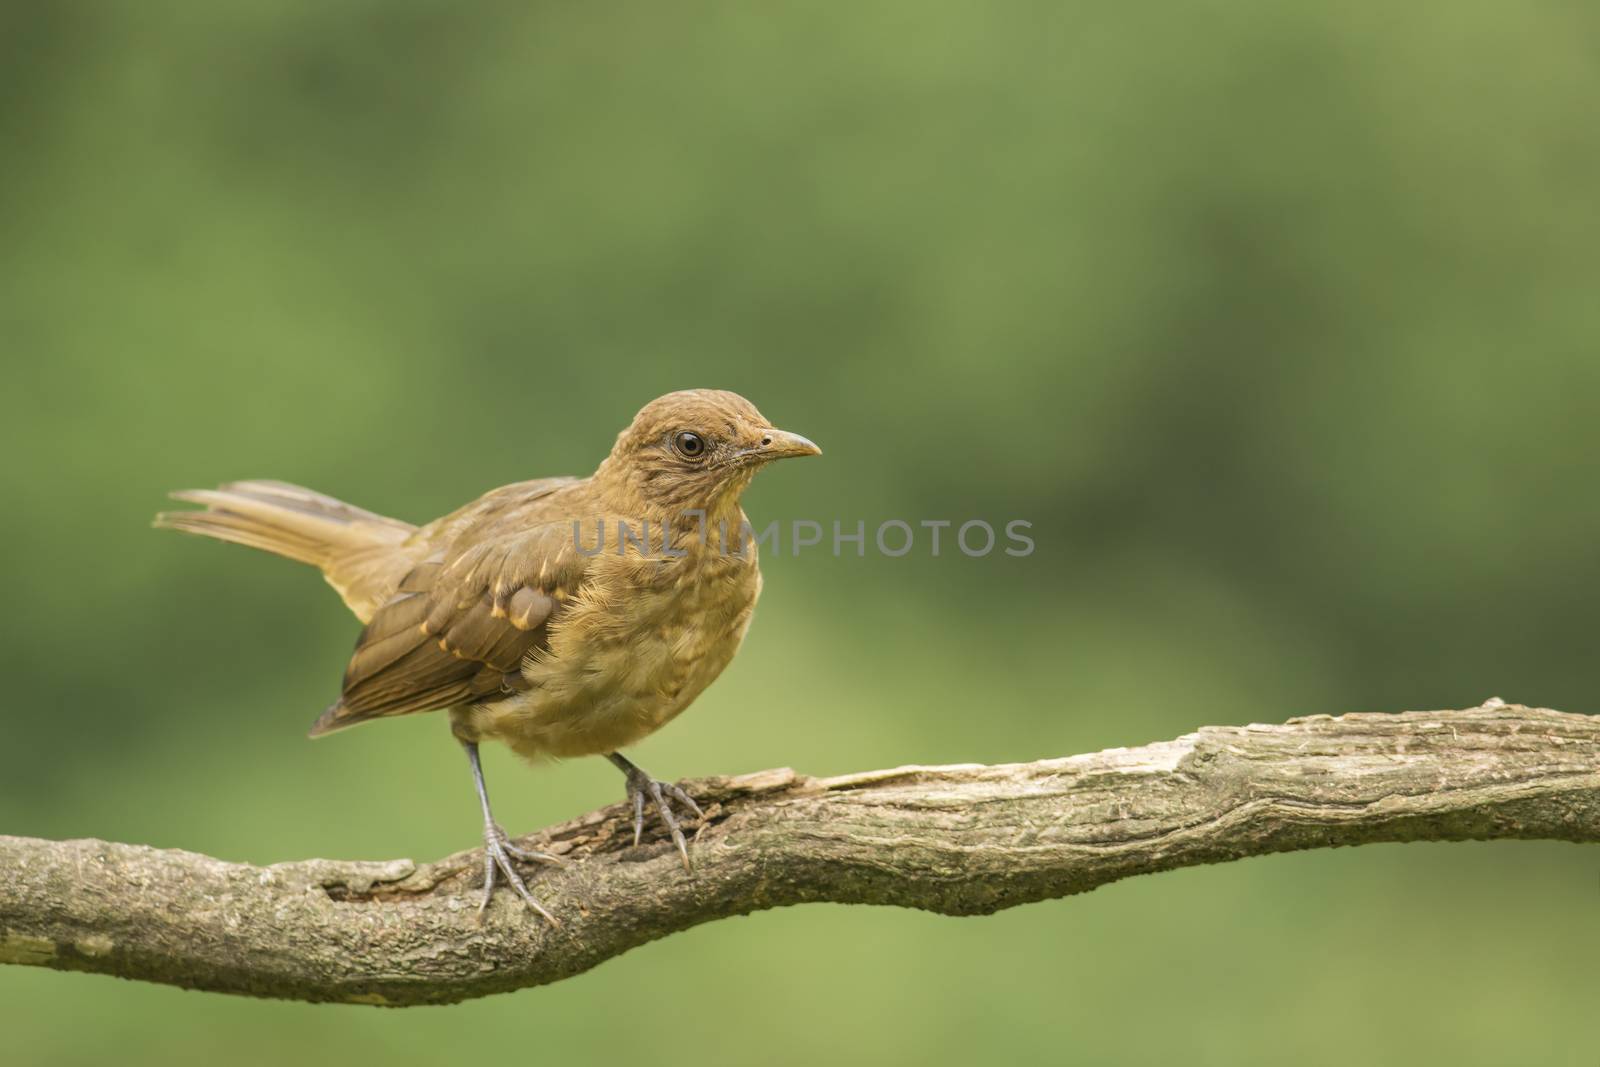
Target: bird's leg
{"x":498,"y":849}
{"x":641,"y":785}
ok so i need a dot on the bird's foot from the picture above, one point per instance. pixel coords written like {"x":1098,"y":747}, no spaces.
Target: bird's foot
{"x":498,"y":852}
{"x":526,"y":855}
{"x":641,"y":785}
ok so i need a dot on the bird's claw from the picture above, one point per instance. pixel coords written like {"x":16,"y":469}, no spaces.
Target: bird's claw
{"x":526,"y":855}
{"x":641,"y":785}
{"x":497,"y":855}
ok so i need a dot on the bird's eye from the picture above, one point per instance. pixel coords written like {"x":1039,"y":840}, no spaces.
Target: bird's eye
{"x":689,"y":445}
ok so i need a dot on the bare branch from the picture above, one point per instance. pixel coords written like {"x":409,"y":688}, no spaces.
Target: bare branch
{"x":960,"y":840}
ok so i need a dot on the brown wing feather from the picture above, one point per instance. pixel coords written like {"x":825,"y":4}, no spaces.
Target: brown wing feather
{"x":462,"y":621}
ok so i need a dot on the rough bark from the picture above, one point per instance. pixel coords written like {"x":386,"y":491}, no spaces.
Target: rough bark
{"x":960,"y":840}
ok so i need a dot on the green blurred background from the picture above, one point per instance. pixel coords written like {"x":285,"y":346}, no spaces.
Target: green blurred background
{"x":1278,"y":321}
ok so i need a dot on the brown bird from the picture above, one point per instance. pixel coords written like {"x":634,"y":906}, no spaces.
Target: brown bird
{"x":563,"y":616}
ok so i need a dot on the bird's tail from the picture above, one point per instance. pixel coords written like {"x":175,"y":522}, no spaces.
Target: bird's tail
{"x":358,"y":551}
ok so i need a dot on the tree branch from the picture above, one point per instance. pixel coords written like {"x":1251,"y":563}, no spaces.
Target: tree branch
{"x":961,"y":840}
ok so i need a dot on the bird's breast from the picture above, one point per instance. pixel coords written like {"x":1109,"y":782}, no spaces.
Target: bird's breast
{"x":637,"y":644}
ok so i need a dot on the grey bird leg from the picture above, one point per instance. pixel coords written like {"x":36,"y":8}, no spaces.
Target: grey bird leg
{"x":641,"y":784}
{"x":498,"y":849}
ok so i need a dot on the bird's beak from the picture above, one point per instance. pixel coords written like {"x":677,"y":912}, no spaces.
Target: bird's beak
{"x":781,"y":444}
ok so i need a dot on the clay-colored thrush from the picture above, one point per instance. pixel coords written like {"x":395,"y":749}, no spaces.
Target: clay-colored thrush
{"x":564,"y":616}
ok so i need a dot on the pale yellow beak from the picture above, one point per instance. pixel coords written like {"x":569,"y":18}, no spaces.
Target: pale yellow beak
{"x":781,"y":444}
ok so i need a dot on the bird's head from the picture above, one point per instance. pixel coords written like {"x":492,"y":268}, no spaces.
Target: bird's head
{"x":697,"y":448}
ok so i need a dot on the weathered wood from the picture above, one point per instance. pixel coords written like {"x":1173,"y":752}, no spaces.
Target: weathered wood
{"x":960,"y":840}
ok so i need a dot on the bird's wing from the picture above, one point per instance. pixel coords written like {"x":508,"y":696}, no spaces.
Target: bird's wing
{"x":461,"y":622}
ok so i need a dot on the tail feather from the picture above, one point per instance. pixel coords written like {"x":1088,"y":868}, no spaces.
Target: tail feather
{"x":358,"y":551}
{"x":299,"y":498}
